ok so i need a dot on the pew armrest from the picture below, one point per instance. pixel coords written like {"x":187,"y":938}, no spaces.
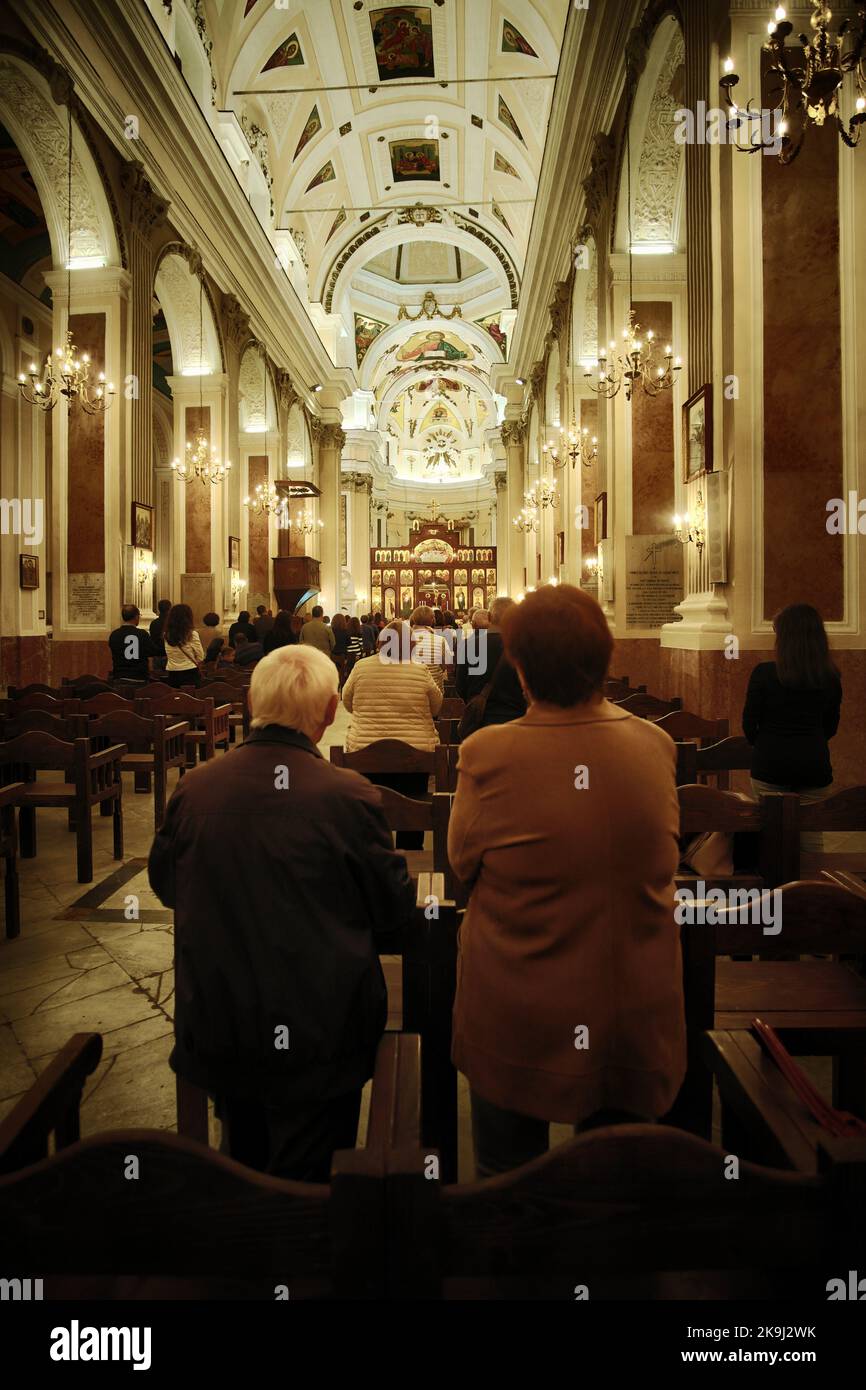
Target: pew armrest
{"x":395,"y":1102}
{"x":50,"y":1106}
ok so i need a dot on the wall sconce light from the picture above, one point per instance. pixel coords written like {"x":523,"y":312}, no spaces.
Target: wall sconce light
{"x":692,"y":528}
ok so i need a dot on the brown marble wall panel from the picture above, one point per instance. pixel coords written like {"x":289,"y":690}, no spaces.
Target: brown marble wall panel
{"x":85,"y":538}
{"x":802,"y":347}
{"x":260,"y":560}
{"x":24,"y":659}
{"x":590,"y":485}
{"x":78,"y":659}
{"x":652,"y":444}
{"x":714,"y":687}
{"x":198,"y":501}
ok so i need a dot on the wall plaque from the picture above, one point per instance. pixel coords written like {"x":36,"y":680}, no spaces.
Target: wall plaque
{"x":654,"y":580}
{"x":86,"y":599}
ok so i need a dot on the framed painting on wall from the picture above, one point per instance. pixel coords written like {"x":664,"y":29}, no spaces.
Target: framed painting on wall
{"x":142,"y":526}
{"x":234,"y":552}
{"x":28,"y":571}
{"x":600,"y":518}
{"x":698,"y":434}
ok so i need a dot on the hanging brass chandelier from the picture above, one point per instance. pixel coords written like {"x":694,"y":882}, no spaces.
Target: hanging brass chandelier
{"x":574,"y":448}
{"x":202,"y":462}
{"x":810,"y":90}
{"x":266,"y":500}
{"x":527,"y":519}
{"x":542,"y":494}
{"x":66,"y":372}
{"x":638,"y":362}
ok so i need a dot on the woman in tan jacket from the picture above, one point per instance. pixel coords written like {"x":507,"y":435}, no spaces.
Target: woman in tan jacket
{"x":390,"y":695}
{"x":569,"y":1002}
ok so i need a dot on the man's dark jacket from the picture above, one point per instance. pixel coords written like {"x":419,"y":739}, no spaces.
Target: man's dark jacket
{"x":281,"y":894}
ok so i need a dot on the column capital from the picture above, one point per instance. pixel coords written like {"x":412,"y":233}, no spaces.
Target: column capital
{"x":236,"y":321}
{"x":147,"y":207}
{"x":331,"y":436}
{"x":286,"y":390}
{"x":513,"y":433}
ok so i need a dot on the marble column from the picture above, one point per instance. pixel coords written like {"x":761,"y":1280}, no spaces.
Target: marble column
{"x":89,"y":497}
{"x":146,"y":213}
{"x":330,"y":445}
{"x":512,"y":551}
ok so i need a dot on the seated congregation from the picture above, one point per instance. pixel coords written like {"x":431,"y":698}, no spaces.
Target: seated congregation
{"x":432,"y":879}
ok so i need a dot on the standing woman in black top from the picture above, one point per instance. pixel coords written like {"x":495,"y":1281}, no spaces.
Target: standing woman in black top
{"x":792,"y":711}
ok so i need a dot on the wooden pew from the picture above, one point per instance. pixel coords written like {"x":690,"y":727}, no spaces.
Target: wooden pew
{"x":763,"y":1119}
{"x":234,"y":693}
{"x":452,"y":708}
{"x":9,"y":853}
{"x":47,"y":703}
{"x":389,"y":755}
{"x":198,"y":1224}
{"x":632,"y":1211}
{"x":648,"y":706}
{"x":95,"y":778}
{"x":844,"y":810}
{"x":705,"y":809}
{"x":818,"y":1007}
{"x":718,"y":760}
{"x":208,"y":721}
{"x":106,"y":702}
{"x":37,"y":721}
{"x":681,"y":724}
{"x":153,"y":746}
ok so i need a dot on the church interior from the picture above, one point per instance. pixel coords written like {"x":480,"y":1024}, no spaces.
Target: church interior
{"x":432,"y":767}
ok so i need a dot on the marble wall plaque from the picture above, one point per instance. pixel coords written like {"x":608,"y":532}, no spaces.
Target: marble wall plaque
{"x":654,"y":580}
{"x":86,"y":599}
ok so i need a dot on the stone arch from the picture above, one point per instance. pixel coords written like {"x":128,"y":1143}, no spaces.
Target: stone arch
{"x":333,"y":284}
{"x":402,"y":383}
{"x":475,"y":337}
{"x":299,"y":449}
{"x":38,"y":125}
{"x":584,"y":310}
{"x":176,"y":286}
{"x":257,"y":406}
{"x":657,"y":160}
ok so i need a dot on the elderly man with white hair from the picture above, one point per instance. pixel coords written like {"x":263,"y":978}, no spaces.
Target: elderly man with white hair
{"x":282,"y":875}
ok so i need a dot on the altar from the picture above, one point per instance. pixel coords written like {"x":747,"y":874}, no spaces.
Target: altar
{"x":436,"y":569}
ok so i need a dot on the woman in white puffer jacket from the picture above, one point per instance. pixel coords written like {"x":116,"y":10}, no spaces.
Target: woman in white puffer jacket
{"x":390,"y":695}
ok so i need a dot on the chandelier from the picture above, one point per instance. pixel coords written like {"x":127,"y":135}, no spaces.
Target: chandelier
{"x":305,"y":523}
{"x":810,"y":92}
{"x":542,"y":494}
{"x":66,"y":372}
{"x":692,"y":530}
{"x":266,"y":501}
{"x":638,"y":363}
{"x":576,"y":448}
{"x":202,"y":463}
{"x":527,"y":521}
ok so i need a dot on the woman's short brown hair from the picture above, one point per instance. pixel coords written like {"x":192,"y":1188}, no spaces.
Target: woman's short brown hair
{"x":560,"y":639}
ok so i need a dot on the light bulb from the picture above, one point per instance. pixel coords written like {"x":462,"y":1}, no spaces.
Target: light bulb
{"x":781,"y":13}
{"x":861,"y":103}
{"x":729,"y":65}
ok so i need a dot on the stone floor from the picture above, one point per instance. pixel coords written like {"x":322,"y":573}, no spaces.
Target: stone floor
{"x":98,"y":957}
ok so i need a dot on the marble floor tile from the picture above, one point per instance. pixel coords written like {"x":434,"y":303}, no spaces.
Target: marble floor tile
{"x":111,"y":1009}
{"x":54,"y":994}
{"x":16,"y":1075}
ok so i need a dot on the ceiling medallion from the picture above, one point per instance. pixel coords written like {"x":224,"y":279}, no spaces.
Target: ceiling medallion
{"x":440,"y":454}
{"x":810,"y":93}
{"x":419,"y":215}
{"x":430,"y":309}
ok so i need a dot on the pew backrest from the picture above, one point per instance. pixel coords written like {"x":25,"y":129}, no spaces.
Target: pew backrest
{"x":682,"y":724}
{"x":647,"y":706}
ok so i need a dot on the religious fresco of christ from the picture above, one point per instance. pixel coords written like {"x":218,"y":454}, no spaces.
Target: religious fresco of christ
{"x":403,"y":40}
{"x":435,"y":343}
